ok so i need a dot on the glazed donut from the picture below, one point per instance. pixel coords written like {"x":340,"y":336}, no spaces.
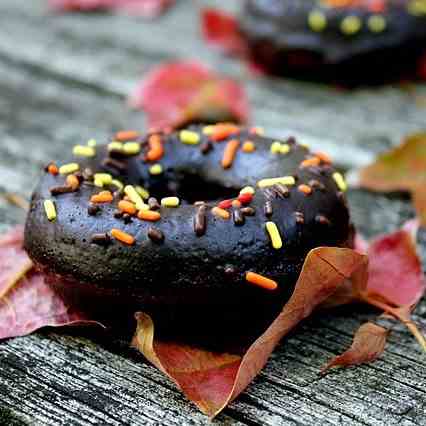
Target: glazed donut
{"x":346,"y":41}
{"x":211,"y":222}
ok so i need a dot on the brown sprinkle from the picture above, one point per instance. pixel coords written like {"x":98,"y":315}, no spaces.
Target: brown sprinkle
{"x":238,"y":217}
{"x":316,"y":184}
{"x":267,"y":208}
{"x":153,"y":203}
{"x":100,"y":239}
{"x":248,"y":211}
{"x":58,"y":190}
{"x":114,"y":163}
{"x":93,"y":209}
{"x":282,"y":190}
{"x":200,"y":221}
{"x":155,"y":235}
{"x":206,"y":147}
{"x":300,"y":218}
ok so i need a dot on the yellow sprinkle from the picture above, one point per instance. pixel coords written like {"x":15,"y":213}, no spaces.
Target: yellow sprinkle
{"x":83,"y":151}
{"x":69,"y":168}
{"x":156,"y":169}
{"x":131,"y":148}
{"x":102,"y":179}
{"x":417,"y":7}
{"x":284,"y":149}
{"x":275,"y":147}
{"x":340,"y":181}
{"x":115,"y":146}
{"x":247,"y":190}
{"x":351,"y":25}
{"x":376,"y":23}
{"x":274,"y":235}
{"x":135,"y":198}
{"x":92,"y":143}
{"x":170,"y":202}
{"x":317,"y":21}
{"x":188,"y":137}
{"x":50,"y":209}
{"x":208,"y":130}
{"x":142,"y":192}
{"x":117,"y":184}
{"x":285,"y":180}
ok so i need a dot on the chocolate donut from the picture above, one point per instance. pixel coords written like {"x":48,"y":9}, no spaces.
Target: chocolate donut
{"x":345,"y":41}
{"x":222,"y":242}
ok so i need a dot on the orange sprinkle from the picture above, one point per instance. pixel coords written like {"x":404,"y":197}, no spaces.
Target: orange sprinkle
{"x":72,"y":181}
{"x":261,"y":281}
{"x":249,"y":146}
{"x":229,"y":153}
{"x":156,"y":149}
{"x":223,"y":130}
{"x":149,"y":215}
{"x":102,"y":197}
{"x":126,"y":207}
{"x":236,"y":204}
{"x":224,"y":214}
{"x":53,"y":169}
{"x":325,"y":158}
{"x":310,"y":162}
{"x":126,"y":135}
{"x":123,"y":236}
{"x":306,"y":189}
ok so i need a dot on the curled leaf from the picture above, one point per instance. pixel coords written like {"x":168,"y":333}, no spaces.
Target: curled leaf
{"x":213,"y":380}
{"x":179,"y":93}
{"x":27,"y":303}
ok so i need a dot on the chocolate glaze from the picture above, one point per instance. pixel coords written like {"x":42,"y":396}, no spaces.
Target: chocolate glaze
{"x":186,"y":278}
{"x":282,"y":41}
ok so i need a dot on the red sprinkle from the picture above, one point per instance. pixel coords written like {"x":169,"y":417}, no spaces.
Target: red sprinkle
{"x":225,"y":204}
{"x":245,"y":198}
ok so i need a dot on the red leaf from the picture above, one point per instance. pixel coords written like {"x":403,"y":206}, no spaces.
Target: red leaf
{"x":146,"y":8}
{"x":368,"y":344}
{"x":178,"y":93}
{"x":221,"y":30}
{"x":27,"y":303}
{"x":213,"y":380}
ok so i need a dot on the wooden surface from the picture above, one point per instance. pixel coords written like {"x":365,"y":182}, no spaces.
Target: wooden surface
{"x":64,"y":79}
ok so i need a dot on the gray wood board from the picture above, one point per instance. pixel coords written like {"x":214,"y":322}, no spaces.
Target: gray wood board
{"x":64,"y":79}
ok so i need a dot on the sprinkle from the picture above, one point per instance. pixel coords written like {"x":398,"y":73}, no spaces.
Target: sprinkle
{"x":224,"y":214}
{"x":208,"y":130}
{"x":261,"y":281}
{"x":274,"y":235}
{"x":114,"y":163}
{"x":275,"y":147}
{"x":69,"y":168}
{"x":268,"y":210}
{"x":238,"y":217}
{"x":245,"y":198}
{"x":127,"y":218}
{"x":134,"y":197}
{"x":281,"y":190}
{"x":322,"y":220}
{"x":310,"y":162}
{"x":149,"y":215}
{"x":126,"y":135}
{"x":225,"y":204}
{"x":102,"y":179}
{"x":417,"y":7}
{"x":340,"y":181}
{"x":317,"y":21}
{"x":117,"y":184}
{"x":88,"y":174}
{"x":153,"y":203}
{"x":306,"y":189}
{"x":93,"y":209}
{"x":248,"y":211}
{"x":200,"y":221}
{"x":101,"y":239}
{"x":247,"y":190}
{"x":50,"y":209}
{"x":299,"y":217}
{"x":118,"y":214}
{"x":73,"y":182}
{"x":102,"y":197}
{"x":91,"y":143}
{"x":223,"y":130}
{"x":122,"y":236}
{"x":188,"y":137}
{"x":127,"y":207}
{"x":206,"y":147}
{"x":260,"y":131}
{"x":316,"y":184}
{"x":325,"y":158}
{"x":170,"y":202}
{"x":131,"y":148}
{"x":83,"y":151}
{"x":115,"y":147}
{"x":248,"y":147}
{"x":284,"y":148}
{"x":236,"y":204}
{"x":142,"y":192}
{"x":351,"y":25}
{"x":284,"y":180}
{"x":155,"y":235}
{"x":376,"y":23}
{"x":156,"y":149}
{"x":52,"y":169}
{"x":229,"y":153}
{"x":59,"y":190}
{"x":156,"y":169}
